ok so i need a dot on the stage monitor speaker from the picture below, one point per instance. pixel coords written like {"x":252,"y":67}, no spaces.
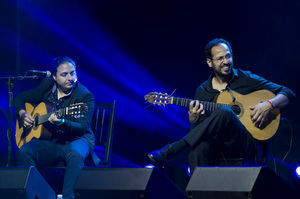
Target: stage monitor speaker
{"x":238,"y":183}
{"x":24,"y":182}
{"x":125,"y":183}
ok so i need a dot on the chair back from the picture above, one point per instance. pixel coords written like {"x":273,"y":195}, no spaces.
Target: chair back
{"x":103,"y":128}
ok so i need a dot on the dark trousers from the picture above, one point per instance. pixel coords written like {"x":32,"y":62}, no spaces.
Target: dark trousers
{"x":219,"y":136}
{"x":43,"y":153}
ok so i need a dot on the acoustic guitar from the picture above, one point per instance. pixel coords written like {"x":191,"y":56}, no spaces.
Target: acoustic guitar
{"x":41,"y":115}
{"x":237,"y":102}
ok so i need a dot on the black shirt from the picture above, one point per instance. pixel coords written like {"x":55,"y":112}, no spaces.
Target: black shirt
{"x":243,"y":82}
{"x":53,"y":99}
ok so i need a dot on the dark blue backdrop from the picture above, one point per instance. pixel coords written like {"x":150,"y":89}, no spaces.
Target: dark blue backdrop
{"x":125,"y":49}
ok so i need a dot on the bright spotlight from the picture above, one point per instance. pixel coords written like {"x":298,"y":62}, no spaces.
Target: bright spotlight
{"x":149,"y":166}
{"x":189,"y":170}
{"x":298,"y":171}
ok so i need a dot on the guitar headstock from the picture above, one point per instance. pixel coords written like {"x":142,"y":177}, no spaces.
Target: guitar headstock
{"x":158,"y":98}
{"x":75,"y":110}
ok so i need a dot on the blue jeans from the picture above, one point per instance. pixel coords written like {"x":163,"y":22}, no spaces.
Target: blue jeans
{"x":43,"y":153}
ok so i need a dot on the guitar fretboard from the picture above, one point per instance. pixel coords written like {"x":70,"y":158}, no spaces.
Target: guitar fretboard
{"x":44,"y":118}
{"x":209,"y":106}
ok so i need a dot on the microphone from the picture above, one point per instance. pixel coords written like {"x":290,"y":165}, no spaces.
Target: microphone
{"x":39,"y":73}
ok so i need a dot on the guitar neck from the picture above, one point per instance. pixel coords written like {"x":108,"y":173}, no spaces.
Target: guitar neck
{"x":75,"y":110}
{"x":209,"y":106}
{"x":44,"y":118}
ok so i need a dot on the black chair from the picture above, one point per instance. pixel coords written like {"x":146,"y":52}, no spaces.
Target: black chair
{"x":103,"y":128}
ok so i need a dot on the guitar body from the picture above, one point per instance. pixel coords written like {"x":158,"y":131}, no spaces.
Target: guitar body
{"x":244,"y":102}
{"x":24,"y":135}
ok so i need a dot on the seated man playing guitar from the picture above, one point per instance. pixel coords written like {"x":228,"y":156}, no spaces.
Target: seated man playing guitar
{"x":218,"y":133}
{"x":69,"y":137}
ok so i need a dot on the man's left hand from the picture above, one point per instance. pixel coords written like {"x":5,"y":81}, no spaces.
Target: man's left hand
{"x":54,"y":120}
{"x":260,"y":114}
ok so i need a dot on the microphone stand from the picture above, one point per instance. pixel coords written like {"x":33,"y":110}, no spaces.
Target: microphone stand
{"x":10,"y":80}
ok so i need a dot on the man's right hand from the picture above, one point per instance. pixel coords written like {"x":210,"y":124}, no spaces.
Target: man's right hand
{"x":26,"y":118}
{"x":196,"y":109}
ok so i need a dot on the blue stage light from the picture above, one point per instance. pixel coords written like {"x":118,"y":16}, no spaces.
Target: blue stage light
{"x":128,"y":80}
{"x":298,"y":171}
{"x":149,"y":166}
{"x":188,"y":170}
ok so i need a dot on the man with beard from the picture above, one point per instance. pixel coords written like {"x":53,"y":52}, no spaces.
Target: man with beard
{"x":219,"y":134}
{"x":71,"y":137}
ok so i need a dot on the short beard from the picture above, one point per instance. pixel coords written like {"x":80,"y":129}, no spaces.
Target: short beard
{"x":224,"y":76}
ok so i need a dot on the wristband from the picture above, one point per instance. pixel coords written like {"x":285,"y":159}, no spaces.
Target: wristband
{"x":62,"y":121}
{"x":270,"y":103}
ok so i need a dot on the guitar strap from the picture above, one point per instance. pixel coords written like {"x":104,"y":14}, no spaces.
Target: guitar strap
{"x":232,"y":95}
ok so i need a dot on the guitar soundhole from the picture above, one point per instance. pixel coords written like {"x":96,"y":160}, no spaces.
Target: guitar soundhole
{"x":36,"y":120}
{"x":236,"y":109}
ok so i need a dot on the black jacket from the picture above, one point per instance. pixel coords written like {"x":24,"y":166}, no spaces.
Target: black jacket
{"x":73,"y":128}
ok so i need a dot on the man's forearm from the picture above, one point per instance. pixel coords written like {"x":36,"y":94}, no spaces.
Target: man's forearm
{"x":279,"y":101}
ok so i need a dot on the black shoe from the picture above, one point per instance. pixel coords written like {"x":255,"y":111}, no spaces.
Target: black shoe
{"x":159,"y":157}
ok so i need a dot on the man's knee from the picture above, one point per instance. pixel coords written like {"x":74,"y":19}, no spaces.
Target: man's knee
{"x":25,"y":151}
{"x":74,"y":155}
{"x":79,"y":147}
{"x":25,"y":156}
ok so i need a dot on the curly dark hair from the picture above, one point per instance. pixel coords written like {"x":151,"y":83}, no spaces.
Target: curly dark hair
{"x":213,"y":43}
{"x":57,"y":61}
